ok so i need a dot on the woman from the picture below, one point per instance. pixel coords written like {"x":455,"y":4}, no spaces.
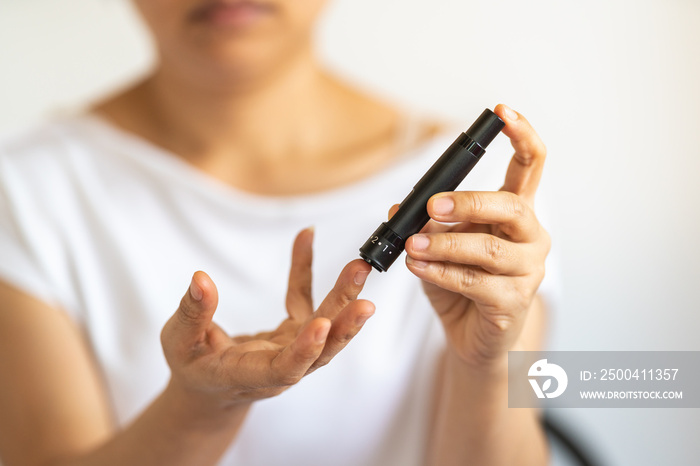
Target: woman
{"x":237,"y":140}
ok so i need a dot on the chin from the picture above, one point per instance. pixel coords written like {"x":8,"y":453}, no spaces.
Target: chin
{"x":239,"y":64}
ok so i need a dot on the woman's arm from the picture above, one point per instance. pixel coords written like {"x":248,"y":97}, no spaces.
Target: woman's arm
{"x":481,"y":261}
{"x":54,"y":409}
{"x":51,"y":398}
{"x":472,"y":418}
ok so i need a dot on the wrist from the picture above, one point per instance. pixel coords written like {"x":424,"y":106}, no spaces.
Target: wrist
{"x":202,"y":410}
{"x":485,"y":385}
{"x":491,"y":369}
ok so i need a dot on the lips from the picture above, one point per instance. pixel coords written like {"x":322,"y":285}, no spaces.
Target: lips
{"x":232,"y":13}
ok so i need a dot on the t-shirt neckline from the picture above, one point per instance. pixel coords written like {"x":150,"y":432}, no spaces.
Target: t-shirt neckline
{"x":161,"y":160}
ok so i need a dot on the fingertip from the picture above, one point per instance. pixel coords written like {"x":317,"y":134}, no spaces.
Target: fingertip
{"x":359,"y":265}
{"x":500,"y":111}
{"x":361,"y":277}
{"x":368,"y":307}
{"x":441,"y":205}
{"x":305,"y":237}
{"x":362,"y":270}
{"x":196,"y":292}
{"x":393,"y":210}
{"x":202,"y":287}
{"x":506,"y":113}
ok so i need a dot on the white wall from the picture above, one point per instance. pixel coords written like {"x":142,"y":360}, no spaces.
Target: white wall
{"x":612,"y":86}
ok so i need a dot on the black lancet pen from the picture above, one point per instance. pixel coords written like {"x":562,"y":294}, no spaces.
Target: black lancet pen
{"x":387,"y":242}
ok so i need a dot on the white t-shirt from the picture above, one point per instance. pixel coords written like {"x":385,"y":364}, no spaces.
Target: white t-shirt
{"x":110,"y":229}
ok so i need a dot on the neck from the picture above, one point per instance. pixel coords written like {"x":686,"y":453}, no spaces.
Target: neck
{"x":202,"y":119}
{"x":206,"y":116}
{"x":297,"y":130}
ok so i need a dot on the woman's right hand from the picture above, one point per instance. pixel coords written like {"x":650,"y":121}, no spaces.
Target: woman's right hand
{"x":224,"y":371}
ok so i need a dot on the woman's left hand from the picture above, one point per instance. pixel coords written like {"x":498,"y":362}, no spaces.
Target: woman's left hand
{"x":482,"y":272}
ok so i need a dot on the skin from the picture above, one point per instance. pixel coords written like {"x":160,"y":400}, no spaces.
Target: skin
{"x":481,"y":275}
{"x":216,"y":90}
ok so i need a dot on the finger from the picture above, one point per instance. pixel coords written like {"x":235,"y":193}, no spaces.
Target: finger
{"x":349,"y":284}
{"x":393,"y":210}
{"x":289,"y":366}
{"x":196,"y":309}
{"x":525,"y":168}
{"x":491,"y":253}
{"x":479,"y":286}
{"x":507,"y":210}
{"x":299,"y":300}
{"x":345,"y":326}
{"x":430,"y":227}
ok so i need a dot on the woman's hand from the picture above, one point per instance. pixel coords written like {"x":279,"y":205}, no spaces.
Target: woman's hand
{"x":481,"y":273}
{"x":224,"y":371}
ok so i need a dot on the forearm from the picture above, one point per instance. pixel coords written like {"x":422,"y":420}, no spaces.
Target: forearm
{"x":174,"y":430}
{"x":473,"y":424}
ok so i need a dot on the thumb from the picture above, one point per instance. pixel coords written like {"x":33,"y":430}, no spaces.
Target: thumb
{"x":393,"y":210}
{"x":196,"y":310}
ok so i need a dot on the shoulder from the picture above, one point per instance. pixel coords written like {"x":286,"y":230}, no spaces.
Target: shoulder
{"x":41,"y":148}
{"x":58,"y":154}
{"x":43,"y":170}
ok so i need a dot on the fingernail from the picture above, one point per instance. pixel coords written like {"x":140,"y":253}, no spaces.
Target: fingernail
{"x":361,"y":277}
{"x":417,"y":264}
{"x":195,"y":291}
{"x":443,"y":205}
{"x":420,"y":242}
{"x":510,"y":113}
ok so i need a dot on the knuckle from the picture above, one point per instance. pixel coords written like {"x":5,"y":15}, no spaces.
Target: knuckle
{"x":516,"y":206}
{"x":541,"y":148}
{"x":443,"y":273}
{"x":344,"y":294}
{"x":452,"y":244}
{"x":547,"y":240}
{"x":534,"y":150}
{"x":476,"y":203}
{"x":187,"y":313}
{"x":287,"y":379}
{"x":468,"y":278}
{"x":525,"y":157}
{"x":540,"y":274}
{"x":344,"y":337}
{"x":494,"y":249}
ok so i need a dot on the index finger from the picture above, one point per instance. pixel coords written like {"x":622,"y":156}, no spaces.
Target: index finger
{"x":525,"y":168}
{"x":348,"y":286}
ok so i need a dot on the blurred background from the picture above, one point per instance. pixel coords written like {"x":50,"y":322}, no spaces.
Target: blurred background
{"x":613,"y":88}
